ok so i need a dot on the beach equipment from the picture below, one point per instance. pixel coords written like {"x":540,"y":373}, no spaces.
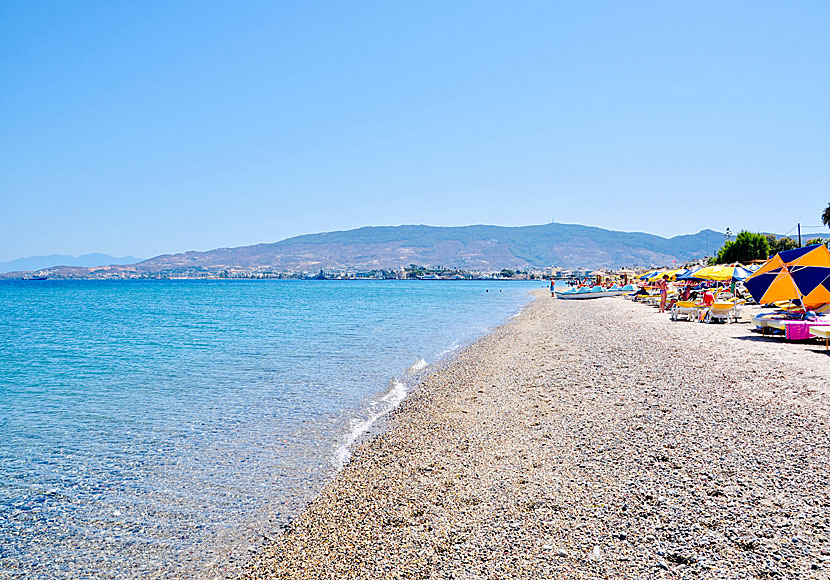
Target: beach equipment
{"x":801,"y":274}
{"x":797,"y":329}
{"x":687,"y":309}
{"x":648,"y":275}
{"x":822,"y":332}
{"x":765,"y":320}
{"x":658,"y":274}
{"x":722,"y":273}
{"x":727,"y":311}
{"x":679,"y":272}
{"x":689,"y":273}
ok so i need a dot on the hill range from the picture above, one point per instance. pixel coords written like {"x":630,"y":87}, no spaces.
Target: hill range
{"x":478,"y":247}
{"x":85,"y":261}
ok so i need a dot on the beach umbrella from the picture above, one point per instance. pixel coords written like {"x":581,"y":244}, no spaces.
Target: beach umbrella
{"x":723,"y":273}
{"x":689,"y":273}
{"x":659,"y":274}
{"x":801,"y":274}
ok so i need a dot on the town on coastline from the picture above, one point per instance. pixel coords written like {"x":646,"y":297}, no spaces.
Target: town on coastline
{"x":411,"y":272}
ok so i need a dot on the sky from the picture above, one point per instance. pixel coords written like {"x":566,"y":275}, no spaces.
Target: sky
{"x":152,"y":127}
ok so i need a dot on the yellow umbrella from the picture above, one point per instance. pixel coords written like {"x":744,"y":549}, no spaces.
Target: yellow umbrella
{"x":722,"y":273}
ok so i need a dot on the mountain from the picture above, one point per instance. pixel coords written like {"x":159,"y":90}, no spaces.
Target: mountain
{"x":85,"y":261}
{"x":478,"y":247}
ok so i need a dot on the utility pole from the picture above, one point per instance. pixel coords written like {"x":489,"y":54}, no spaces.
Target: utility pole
{"x":799,"y":235}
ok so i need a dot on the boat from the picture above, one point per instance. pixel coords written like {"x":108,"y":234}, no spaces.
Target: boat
{"x":585,"y":293}
{"x":34,"y":277}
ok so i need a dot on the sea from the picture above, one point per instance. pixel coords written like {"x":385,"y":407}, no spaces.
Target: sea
{"x":169,"y":428}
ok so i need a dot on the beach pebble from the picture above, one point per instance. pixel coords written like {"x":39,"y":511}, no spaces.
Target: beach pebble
{"x":600,"y":421}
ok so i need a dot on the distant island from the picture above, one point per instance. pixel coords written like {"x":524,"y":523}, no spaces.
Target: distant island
{"x":32,"y":263}
{"x":387,"y":251}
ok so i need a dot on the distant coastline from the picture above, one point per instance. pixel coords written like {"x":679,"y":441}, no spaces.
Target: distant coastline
{"x":415,"y":251}
{"x":457,"y":276}
{"x":36,"y":263}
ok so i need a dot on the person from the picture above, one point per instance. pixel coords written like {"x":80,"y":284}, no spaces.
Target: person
{"x":687,"y":293}
{"x":708,"y":298}
{"x":663,"y":285}
{"x":552,"y":284}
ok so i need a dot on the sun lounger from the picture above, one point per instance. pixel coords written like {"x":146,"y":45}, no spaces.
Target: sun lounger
{"x":763,"y":322}
{"x":722,"y":311}
{"x":686,"y":308}
{"x":822,"y":332}
{"x":797,"y":329}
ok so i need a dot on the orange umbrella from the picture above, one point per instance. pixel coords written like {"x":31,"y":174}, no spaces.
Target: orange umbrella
{"x":801,"y":274}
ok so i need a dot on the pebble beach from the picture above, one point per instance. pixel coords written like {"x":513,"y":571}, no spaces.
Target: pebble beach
{"x":587,"y":439}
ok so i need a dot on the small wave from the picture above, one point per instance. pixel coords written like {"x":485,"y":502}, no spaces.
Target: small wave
{"x":453,"y":347}
{"x":378,"y":408}
{"x":419,"y":365}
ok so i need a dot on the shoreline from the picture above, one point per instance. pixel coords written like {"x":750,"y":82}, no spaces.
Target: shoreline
{"x":581,"y":441}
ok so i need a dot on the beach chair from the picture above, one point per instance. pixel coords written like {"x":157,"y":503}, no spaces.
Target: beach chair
{"x":651,"y":299}
{"x":765,"y":321}
{"x":822,"y":332}
{"x":685,"y":308}
{"x":799,"y":329}
{"x":722,"y":311}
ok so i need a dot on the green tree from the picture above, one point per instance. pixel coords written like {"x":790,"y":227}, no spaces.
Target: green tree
{"x":777,"y":244}
{"x":505,"y":273}
{"x":815,"y":241}
{"x":825,"y":217}
{"x":746,"y":246}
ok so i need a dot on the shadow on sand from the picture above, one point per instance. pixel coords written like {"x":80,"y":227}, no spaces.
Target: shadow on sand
{"x":779,"y":338}
{"x":761,"y":338}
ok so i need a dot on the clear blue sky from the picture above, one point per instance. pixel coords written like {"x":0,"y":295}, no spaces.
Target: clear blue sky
{"x":148,"y":127}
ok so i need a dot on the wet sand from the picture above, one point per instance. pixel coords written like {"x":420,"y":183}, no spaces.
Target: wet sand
{"x":587,"y":440}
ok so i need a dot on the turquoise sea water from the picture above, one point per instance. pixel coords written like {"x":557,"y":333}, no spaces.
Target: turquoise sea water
{"x":163,"y":427}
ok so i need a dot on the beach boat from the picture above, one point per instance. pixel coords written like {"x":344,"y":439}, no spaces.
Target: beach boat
{"x":586,"y":293}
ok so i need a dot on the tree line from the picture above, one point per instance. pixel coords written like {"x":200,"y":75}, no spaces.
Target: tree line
{"x":749,"y":246}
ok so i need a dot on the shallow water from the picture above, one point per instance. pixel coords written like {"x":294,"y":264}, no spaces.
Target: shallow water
{"x":163,"y":427}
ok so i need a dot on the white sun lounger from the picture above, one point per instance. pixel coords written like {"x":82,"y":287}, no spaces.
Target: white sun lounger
{"x":686,"y":309}
{"x":822,"y":332}
{"x":723,"y":311}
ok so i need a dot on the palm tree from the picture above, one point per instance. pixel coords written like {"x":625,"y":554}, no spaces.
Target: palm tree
{"x":825,"y":217}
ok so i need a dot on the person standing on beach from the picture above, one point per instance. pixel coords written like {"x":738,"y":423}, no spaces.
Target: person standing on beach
{"x":663,"y":285}
{"x":552,"y":284}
